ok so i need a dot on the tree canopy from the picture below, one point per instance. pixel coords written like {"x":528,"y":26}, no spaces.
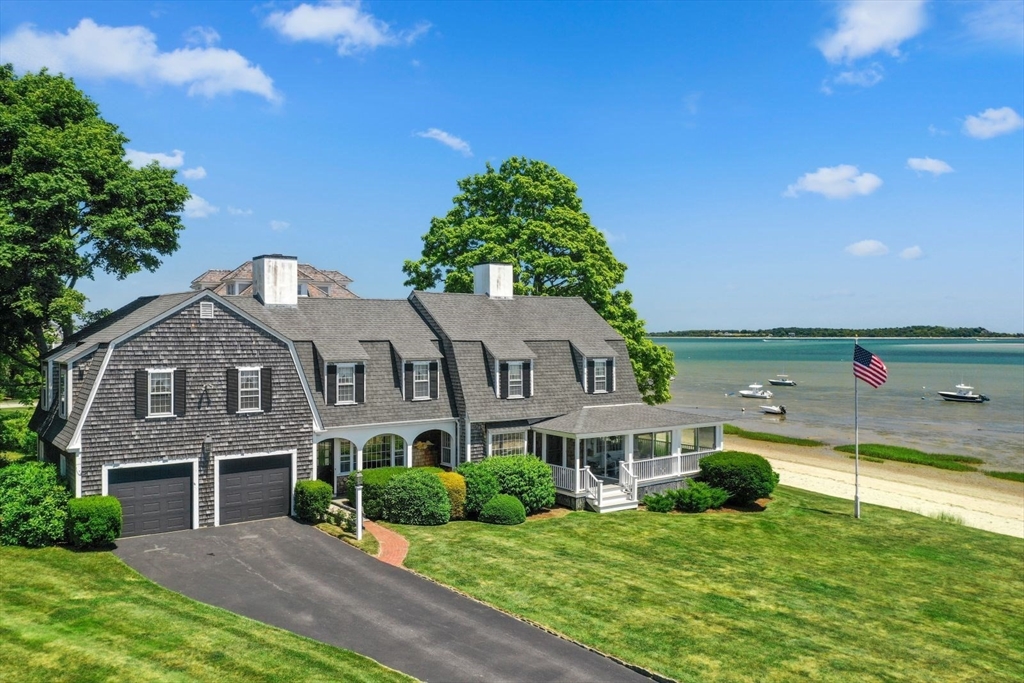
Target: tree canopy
{"x":528,"y":214}
{"x":69,"y":205}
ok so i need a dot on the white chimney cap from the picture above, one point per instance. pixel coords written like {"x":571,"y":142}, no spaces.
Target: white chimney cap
{"x":493,"y":279}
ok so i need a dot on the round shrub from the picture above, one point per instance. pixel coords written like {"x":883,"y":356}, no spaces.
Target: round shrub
{"x":455,"y":484}
{"x":660,"y":502}
{"x":745,"y":476}
{"x":312,"y":498}
{"x":526,"y":478}
{"x":93,"y":521}
{"x":33,"y":505}
{"x":14,"y":432}
{"x":481,"y":486}
{"x":698,"y":497}
{"x":374,"y":482}
{"x":503,"y":509}
{"x":417,"y":497}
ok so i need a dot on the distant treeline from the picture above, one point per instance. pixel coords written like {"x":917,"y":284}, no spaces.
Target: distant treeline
{"x":912,"y":331}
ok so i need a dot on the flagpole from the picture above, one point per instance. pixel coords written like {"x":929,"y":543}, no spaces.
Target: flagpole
{"x":856,"y":443}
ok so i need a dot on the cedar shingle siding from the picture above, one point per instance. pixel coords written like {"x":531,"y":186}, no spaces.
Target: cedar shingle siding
{"x":208,"y":351}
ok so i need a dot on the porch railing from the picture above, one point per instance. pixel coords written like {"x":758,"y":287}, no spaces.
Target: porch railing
{"x":593,"y":485}
{"x":677,"y":464}
{"x":567,"y":478}
{"x":627,"y":480}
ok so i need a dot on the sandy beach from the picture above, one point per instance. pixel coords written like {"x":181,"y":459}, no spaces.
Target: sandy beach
{"x":983,"y":502}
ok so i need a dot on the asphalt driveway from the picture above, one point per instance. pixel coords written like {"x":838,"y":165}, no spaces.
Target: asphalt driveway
{"x":292,"y":576}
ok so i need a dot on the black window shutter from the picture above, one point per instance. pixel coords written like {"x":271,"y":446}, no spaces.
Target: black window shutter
{"x":332,"y":384}
{"x":232,"y":383}
{"x":266,"y":389}
{"x":590,"y":375}
{"x":503,"y":371}
{"x":141,"y":393}
{"x":527,"y":379}
{"x":611,"y":374}
{"x":179,"y":392}
{"x":433,"y":379}
{"x":360,"y":383}
{"x":408,"y":381}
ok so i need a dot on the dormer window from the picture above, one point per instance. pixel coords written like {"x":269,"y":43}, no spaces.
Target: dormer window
{"x":303,"y":289}
{"x":515,"y":379}
{"x":420,"y":382}
{"x":600,"y":376}
{"x":62,"y":391}
{"x":347,"y":383}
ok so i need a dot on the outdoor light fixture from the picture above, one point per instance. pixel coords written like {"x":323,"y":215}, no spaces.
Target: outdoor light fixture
{"x":359,"y":478}
{"x":207,"y":445}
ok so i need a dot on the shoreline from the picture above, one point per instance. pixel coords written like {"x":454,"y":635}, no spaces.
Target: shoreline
{"x":980,"y":501}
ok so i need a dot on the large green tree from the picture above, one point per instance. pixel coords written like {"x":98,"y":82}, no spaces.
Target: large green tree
{"x":69,"y":205}
{"x":528,"y":214}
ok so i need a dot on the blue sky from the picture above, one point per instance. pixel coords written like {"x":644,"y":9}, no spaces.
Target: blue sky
{"x":754,"y":164}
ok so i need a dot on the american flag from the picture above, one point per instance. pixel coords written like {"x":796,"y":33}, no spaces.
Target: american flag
{"x":869,"y":367}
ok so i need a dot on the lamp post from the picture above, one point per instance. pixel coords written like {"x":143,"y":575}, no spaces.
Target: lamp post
{"x":359,"y":505}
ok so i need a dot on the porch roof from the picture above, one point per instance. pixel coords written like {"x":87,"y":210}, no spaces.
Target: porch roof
{"x":633,"y":417}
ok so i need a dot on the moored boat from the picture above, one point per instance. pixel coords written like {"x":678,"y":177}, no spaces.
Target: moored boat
{"x":755,"y":390}
{"x":963,"y":394}
{"x":782,"y":381}
{"x":774,"y":410}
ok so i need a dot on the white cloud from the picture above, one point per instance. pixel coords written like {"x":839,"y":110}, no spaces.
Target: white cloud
{"x":835,"y":182}
{"x":448,"y":140}
{"x":130,"y":53}
{"x":998,"y":21}
{"x":865,"y":78}
{"x":342,"y":24}
{"x":139,"y":159}
{"x":934,"y":130}
{"x":197,"y":207}
{"x":278,"y":226}
{"x":197,"y":173}
{"x":870,"y":26}
{"x":993,"y":122}
{"x":911,"y":253}
{"x":239,"y":212}
{"x":867,"y":248}
{"x":202,"y":35}
{"x":929,"y":165}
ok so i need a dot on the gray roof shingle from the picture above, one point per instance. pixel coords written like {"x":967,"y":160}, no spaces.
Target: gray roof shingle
{"x":621,"y":418}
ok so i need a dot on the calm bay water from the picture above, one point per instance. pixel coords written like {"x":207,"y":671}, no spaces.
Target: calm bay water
{"x":905,"y":411}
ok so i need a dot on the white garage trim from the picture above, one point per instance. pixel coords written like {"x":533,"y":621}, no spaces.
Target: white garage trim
{"x":217,"y":459}
{"x":157,"y":463}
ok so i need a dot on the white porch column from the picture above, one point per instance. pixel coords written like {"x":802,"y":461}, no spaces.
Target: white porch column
{"x":677,"y":441}
{"x":408,"y":453}
{"x":576,"y":454}
{"x":334,"y":465}
{"x":359,"y":459}
{"x":564,"y":454}
{"x":544,"y":447}
{"x":629,"y":447}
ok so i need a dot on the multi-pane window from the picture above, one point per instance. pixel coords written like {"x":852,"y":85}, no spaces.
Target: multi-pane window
{"x":600,"y":375}
{"x":386,"y":450}
{"x":420,"y":380}
{"x":508,"y":443}
{"x":650,"y":445}
{"x":446,"y":448}
{"x":515,"y":380}
{"x":62,"y":390}
{"x":346,"y":384}
{"x":344,"y":456}
{"x":248,"y":389}
{"x":161,"y":390}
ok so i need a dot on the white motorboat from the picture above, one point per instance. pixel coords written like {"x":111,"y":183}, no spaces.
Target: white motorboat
{"x":963,"y":394}
{"x":774,"y":410}
{"x":782,"y":381}
{"x":755,"y":390}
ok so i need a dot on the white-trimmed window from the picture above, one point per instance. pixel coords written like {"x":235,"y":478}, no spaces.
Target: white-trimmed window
{"x":47,"y":391}
{"x":386,"y":450}
{"x":62,"y":390}
{"x":508,"y":443}
{"x":248,"y":389}
{"x":303,"y":289}
{"x":446,"y":448}
{"x":420,"y":381}
{"x":346,"y":383}
{"x":161,"y":393}
{"x":346,"y":454}
{"x":600,"y":375}
{"x":515,"y":380}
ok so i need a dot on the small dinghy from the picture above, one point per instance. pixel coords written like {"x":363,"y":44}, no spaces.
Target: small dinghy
{"x":774,"y":410}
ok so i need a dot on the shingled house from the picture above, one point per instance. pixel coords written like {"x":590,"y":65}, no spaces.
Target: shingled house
{"x":309,"y":281}
{"x":198,"y":409}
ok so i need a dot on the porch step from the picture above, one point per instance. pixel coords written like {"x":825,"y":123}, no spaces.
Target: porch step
{"x":613,"y":499}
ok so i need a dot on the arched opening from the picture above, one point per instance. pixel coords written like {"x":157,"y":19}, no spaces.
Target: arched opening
{"x":432,"y":448}
{"x":384,"y":450}
{"x":335,"y":459}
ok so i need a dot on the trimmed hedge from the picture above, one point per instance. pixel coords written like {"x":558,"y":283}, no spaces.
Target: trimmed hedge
{"x":33,"y":505}
{"x":745,"y":476}
{"x":374,"y":482}
{"x":503,"y":509}
{"x":481,"y":486}
{"x":525,"y":477}
{"x":93,"y":521}
{"x":312,"y":498}
{"x":698,"y":497}
{"x":455,"y":484}
{"x":416,"y":497}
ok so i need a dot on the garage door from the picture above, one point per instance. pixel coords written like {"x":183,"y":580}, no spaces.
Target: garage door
{"x":153,"y":499}
{"x":255,"y":488}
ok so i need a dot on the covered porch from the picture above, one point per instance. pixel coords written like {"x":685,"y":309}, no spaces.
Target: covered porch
{"x":609,"y":457}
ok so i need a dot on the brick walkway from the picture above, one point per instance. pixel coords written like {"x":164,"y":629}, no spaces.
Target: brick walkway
{"x":393,"y":547}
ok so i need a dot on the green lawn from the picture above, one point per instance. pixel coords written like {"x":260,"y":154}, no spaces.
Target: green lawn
{"x":733,"y":430}
{"x":799,"y":592}
{"x":68,"y":616}
{"x":1011,"y":476}
{"x":958,"y":463}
